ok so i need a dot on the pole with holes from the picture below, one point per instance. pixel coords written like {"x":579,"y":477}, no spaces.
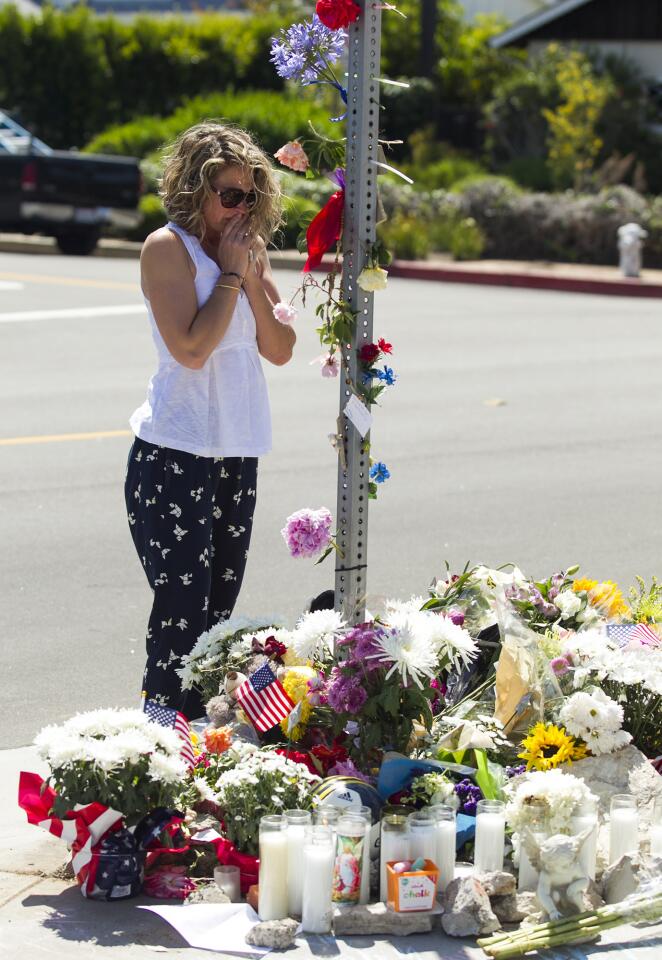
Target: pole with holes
{"x":358,"y":234}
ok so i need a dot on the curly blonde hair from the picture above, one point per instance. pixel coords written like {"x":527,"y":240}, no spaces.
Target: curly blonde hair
{"x":194,"y":159}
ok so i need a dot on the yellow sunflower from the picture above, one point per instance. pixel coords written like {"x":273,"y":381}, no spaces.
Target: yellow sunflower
{"x":548,"y":746}
{"x":295,"y":682}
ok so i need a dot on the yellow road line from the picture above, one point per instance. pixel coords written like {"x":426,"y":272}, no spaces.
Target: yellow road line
{"x":69,"y":281}
{"x":58,"y":437}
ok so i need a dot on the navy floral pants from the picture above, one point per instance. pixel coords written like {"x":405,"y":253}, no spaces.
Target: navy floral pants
{"x":190,"y":518}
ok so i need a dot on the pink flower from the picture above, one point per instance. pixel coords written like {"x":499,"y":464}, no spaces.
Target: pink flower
{"x":285,"y":313}
{"x":308,"y":532}
{"x":168,"y":883}
{"x":293,"y":155}
{"x":330,"y":366}
{"x":560,"y":666}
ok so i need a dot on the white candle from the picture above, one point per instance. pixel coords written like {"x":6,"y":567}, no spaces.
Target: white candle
{"x":490,"y":836}
{"x":623,"y":827}
{"x":527,"y":879}
{"x":272,"y":903}
{"x":444,"y":855}
{"x":422,"y":835}
{"x":393,"y":846}
{"x":297,"y":821}
{"x":318,"y":858}
{"x":588,"y":854}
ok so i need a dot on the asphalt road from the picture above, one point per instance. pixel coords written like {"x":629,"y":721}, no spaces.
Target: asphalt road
{"x":524,"y":426}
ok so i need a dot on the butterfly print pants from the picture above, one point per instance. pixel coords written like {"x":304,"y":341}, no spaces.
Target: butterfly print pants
{"x":190,"y":518}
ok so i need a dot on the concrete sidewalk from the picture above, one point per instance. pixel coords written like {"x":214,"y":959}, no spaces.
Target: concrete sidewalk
{"x":536,"y":275}
{"x":42,"y":915}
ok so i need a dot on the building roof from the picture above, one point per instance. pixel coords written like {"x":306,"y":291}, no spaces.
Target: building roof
{"x":587,"y":20}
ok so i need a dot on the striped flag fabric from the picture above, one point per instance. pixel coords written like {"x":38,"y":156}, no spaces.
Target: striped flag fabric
{"x":635,"y":634}
{"x":264,"y":699}
{"x":169,"y":717}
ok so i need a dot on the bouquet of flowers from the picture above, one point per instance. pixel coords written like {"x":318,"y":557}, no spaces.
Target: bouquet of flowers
{"x":114,"y":776}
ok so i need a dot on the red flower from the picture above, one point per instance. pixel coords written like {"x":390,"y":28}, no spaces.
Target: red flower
{"x":384,"y":346}
{"x":337,"y":14}
{"x":369,"y":353}
{"x":329,"y":756}
{"x":274,"y":648}
{"x":296,"y":756}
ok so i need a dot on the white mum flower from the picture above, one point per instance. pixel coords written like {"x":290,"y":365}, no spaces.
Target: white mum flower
{"x":568,"y":603}
{"x":314,"y":635}
{"x":166,"y":769}
{"x":407,"y":650}
{"x":204,"y":789}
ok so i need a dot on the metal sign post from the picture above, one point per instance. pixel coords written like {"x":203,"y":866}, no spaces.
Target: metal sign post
{"x":358,"y":234}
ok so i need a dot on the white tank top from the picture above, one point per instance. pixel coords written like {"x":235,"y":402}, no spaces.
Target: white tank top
{"x":222,"y":409}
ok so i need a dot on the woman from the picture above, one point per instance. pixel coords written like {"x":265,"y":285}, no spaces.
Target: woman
{"x":192,"y":469}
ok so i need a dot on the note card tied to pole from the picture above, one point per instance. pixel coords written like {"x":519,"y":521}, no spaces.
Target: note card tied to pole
{"x":358,"y":413}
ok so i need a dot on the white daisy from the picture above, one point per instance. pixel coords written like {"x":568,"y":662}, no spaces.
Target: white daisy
{"x":314,"y":635}
{"x":407,"y":650}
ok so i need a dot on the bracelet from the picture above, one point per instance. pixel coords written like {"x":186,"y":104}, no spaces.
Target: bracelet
{"x":231,"y":273}
{"x":229,"y":286}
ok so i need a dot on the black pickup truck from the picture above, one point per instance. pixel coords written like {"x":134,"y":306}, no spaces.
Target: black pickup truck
{"x":63,"y":194}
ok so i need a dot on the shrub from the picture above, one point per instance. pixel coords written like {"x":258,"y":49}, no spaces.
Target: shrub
{"x":295,"y":209}
{"x":406,"y":236}
{"x":443,"y":174}
{"x":153,"y":217}
{"x":272,"y":117}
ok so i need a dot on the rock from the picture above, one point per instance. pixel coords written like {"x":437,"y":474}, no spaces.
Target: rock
{"x":620,"y":880}
{"x":507,"y":909}
{"x":277,"y":934}
{"x":591,"y":897}
{"x":253,"y":896}
{"x":467,"y":910}
{"x":500,"y":883}
{"x":376,"y":919}
{"x":208,"y":893}
{"x":625,"y":771}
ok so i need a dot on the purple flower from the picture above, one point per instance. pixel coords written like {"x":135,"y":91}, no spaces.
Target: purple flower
{"x":469,"y":795}
{"x":304,"y":51}
{"x":351,"y":728}
{"x":456,"y":616}
{"x":345,"y":693}
{"x":316,"y":694}
{"x":516,"y":771}
{"x":307,"y":532}
{"x":560,"y":666}
{"x":346,"y":768}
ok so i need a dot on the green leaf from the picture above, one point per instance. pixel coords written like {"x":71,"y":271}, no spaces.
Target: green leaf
{"x":484,"y":778}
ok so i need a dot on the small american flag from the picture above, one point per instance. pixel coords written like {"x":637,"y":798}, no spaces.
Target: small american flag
{"x":637,"y":634}
{"x":169,"y":717}
{"x":264,"y":699}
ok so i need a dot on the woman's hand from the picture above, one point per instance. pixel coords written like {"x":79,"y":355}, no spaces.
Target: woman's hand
{"x":234,"y":245}
{"x":259,"y":260}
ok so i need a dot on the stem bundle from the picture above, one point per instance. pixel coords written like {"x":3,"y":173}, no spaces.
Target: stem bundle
{"x":581,"y":928}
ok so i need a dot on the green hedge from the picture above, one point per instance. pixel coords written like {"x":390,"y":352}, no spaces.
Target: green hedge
{"x":70,"y":74}
{"x":273,"y":118}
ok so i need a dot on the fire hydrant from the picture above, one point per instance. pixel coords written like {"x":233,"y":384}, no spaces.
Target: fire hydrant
{"x":630,"y":245}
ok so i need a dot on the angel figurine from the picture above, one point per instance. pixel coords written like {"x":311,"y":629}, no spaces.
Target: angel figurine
{"x":562,"y":880}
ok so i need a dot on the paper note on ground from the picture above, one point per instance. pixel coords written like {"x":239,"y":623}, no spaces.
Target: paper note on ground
{"x":358,"y":413}
{"x":213,"y":926}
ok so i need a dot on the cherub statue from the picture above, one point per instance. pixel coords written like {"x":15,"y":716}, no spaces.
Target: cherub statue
{"x":562,"y":880}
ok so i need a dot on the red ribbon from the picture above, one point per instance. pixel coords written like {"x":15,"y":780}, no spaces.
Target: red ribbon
{"x":324,"y":230}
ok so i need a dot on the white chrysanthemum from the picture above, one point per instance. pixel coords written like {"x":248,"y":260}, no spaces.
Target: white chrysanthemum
{"x":106,"y":755}
{"x":205,"y":791}
{"x":596,"y":719}
{"x":166,"y":769}
{"x":561,"y":795}
{"x":413,"y":605}
{"x":210,"y":649}
{"x":608,"y":741}
{"x":406,"y":649}
{"x":133,"y":744}
{"x":314,"y":635}
{"x":450,"y":643}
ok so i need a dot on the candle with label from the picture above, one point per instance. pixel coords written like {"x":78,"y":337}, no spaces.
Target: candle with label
{"x":445,"y":830}
{"x":365,"y":814}
{"x":297,"y":821}
{"x":318,"y":859}
{"x":490,"y":836}
{"x":394,"y":845}
{"x":348,"y":862}
{"x":273,"y":899}
{"x":623,"y":827}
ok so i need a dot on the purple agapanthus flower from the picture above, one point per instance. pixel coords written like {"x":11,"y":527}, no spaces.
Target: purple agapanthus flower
{"x":515,"y":771}
{"x":304,"y":51}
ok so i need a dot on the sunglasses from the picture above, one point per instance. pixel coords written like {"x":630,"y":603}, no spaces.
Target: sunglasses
{"x":232,"y":197}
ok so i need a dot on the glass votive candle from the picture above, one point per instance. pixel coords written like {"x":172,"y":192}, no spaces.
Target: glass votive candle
{"x":490,"y":840}
{"x":393,"y":845}
{"x":326,"y":815}
{"x":656,"y":829}
{"x":445,"y":835}
{"x":297,"y":821}
{"x":422,"y":835}
{"x":623,"y":827}
{"x":273,"y":899}
{"x":348,"y":862}
{"x":364,"y":813}
{"x":527,"y":875}
{"x":318,"y":859}
{"x":227,"y":879}
{"x":584,"y":818}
